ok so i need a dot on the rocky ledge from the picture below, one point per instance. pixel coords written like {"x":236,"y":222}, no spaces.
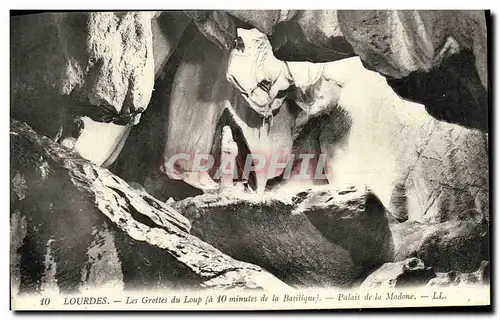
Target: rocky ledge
{"x":413,"y":272}
{"x":75,"y":225}
{"x":318,"y":237}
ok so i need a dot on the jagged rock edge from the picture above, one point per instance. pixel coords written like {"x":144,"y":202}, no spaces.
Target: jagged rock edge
{"x":170,"y":233}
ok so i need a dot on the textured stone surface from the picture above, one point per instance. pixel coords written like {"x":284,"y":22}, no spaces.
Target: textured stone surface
{"x":392,"y":42}
{"x":454,"y":278}
{"x":93,"y":66}
{"x":74,"y":220}
{"x":300,"y":35}
{"x":445,"y":174}
{"x":288,"y":246}
{"x":69,"y":60}
{"x":167,"y":28}
{"x":116,"y":65}
{"x":377,"y":37}
{"x":318,"y":237}
{"x":197,"y":86}
{"x":352,"y":217}
{"x":414,"y":49}
{"x":452,"y":245}
{"x":216,"y":25}
{"x":194,"y":81}
{"x":437,"y":173}
{"x":407,"y":273}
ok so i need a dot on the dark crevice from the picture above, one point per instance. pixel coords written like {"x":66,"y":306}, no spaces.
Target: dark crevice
{"x":451,"y":92}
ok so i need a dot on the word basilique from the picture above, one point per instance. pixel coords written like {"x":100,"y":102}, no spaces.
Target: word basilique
{"x":311,"y":166}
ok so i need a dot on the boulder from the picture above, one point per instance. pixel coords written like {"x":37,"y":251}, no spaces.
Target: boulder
{"x":93,"y":65}
{"x":77,"y":226}
{"x":447,"y":174}
{"x":407,"y":273}
{"x":96,"y":58}
{"x":452,"y":245}
{"x":454,"y":278}
{"x":352,"y":217}
{"x":318,"y":237}
{"x":416,"y":49}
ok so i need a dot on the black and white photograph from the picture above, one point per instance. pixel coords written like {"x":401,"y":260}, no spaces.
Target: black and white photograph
{"x":192,"y":160}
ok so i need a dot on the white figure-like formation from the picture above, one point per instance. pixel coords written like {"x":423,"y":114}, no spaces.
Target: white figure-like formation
{"x":264,"y":80}
{"x":359,"y":147}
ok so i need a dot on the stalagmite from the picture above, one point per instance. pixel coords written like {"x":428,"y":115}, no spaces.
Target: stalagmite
{"x":229,"y":151}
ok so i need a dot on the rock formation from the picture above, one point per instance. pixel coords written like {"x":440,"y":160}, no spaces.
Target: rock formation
{"x":438,"y":172}
{"x":408,"y":195}
{"x":454,"y":278}
{"x":451,"y":245}
{"x":414,"y":50}
{"x":104,"y":233}
{"x":75,"y":225}
{"x":317,"y":238}
{"x":98,"y":66}
{"x":411,"y":272}
{"x":83,"y":78}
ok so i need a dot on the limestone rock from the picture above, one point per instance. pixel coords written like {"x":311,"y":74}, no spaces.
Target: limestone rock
{"x":77,"y":226}
{"x":352,"y":217}
{"x":416,"y":50}
{"x":79,"y":61}
{"x":91,"y":68}
{"x":167,"y":28}
{"x":117,"y":63}
{"x":437,"y":173}
{"x":452,"y":245}
{"x":410,"y":272}
{"x":447,"y":177}
{"x":454,"y":278}
{"x":264,"y":232}
{"x":314,"y":238}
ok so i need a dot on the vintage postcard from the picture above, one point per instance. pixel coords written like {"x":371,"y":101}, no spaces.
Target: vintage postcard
{"x":249,"y":159}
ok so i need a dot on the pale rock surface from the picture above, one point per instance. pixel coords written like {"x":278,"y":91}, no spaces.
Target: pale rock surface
{"x":408,"y":273}
{"x":102,"y":233}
